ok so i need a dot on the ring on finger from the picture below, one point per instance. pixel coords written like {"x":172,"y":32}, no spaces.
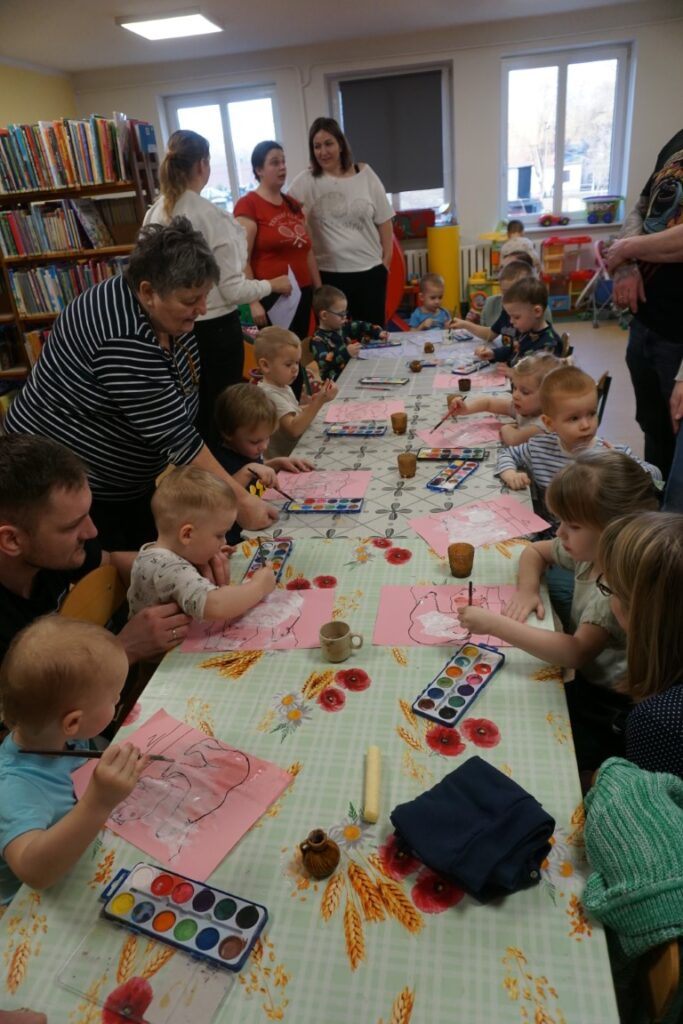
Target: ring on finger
{"x":174,"y":633}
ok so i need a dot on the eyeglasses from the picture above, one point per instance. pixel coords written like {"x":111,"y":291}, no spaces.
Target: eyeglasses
{"x":333,"y":312}
{"x":603,"y":588}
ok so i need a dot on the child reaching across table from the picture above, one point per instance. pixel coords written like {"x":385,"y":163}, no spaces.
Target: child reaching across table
{"x":193,"y":511}
{"x":429,"y":313}
{"x":245,"y":419}
{"x":494,"y":320}
{"x":336,"y":338}
{"x":59,"y":685}
{"x":278,"y":354}
{"x":525,"y":303}
{"x":524,"y":404}
{"x":585,"y":497}
{"x":642,"y":577}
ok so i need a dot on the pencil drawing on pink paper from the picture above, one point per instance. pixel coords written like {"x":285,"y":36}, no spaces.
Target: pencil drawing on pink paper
{"x":352,"y":412}
{"x":463,"y":432}
{"x":428,"y":615}
{"x":480,"y":522}
{"x":282,"y":621}
{"x":189,"y":811}
{"x":322,"y":484}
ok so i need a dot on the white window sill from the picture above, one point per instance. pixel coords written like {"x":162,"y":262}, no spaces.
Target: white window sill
{"x":572,"y":228}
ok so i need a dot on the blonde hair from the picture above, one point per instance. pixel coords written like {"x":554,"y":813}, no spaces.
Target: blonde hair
{"x":642,"y":559}
{"x":515,"y":269}
{"x":189,"y":493}
{"x":243,"y":405}
{"x":434,"y":279}
{"x":537,"y":365}
{"x":598,"y":487}
{"x":184,"y":151}
{"x":271,"y":340}
{"x":54,"y":666}
{"x":567,"y":382}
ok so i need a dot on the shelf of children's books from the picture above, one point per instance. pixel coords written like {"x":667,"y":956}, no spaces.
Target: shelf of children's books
{"x":67,"y":254}
{"x":15,"y":373}
{"x":35,"y":195}
{"x":36,"y":317}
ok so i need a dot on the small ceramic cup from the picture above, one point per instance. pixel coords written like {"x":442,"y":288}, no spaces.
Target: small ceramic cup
{"x":399,"y":422}
{"x":460,"y":559}
{"x":428,"y":348}
{"x":337,"y":641}
{"x":415,"y":366}
{"x":464,"y":384}
{"x":407,"y":464}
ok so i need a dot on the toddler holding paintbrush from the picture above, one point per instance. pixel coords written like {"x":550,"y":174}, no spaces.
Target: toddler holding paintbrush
{"x":59,"y":685}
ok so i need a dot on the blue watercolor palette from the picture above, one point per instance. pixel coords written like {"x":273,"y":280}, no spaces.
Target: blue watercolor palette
{"x":325,"y":505}
{"x":466,"y":368}
{"x":193,"y":916}
{"x":448,"y":454}
{"x":452,"y":476}
{"x":276,"y":552}
{"x":383,"y":380}
{"x":365,"y":428}
{"x":460,"y":335}
{"x":381,"y":343}
{"x":453,"y":691}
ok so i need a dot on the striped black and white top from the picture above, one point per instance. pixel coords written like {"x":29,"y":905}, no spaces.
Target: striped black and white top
{"x":105,"y":388}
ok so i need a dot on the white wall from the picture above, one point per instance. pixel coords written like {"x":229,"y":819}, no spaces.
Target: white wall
{"x":301,"y":75}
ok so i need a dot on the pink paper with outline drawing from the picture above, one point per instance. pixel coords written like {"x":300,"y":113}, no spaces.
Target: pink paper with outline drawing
{"x":480,"y":522}
{"x":189,"y":813}
{"x":426,"y":616}
{"x":285,"y":620}
{"x":492,"y":379}
{"x":352,"y":412}
{"x":321,"y":484}
{"x":466,"y":431}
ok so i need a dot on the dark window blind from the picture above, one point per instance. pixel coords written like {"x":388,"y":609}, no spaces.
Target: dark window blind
{"x":394,"y":124}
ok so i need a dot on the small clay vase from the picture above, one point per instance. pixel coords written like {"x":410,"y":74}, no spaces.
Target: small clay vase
{"x":415,"y":366}
{"x":320,"y":854}
{"x":428,"y":347}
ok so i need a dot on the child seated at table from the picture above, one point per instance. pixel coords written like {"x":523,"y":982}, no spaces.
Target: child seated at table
{"x":494,"y":320}
{"x":338,"y":339}
{"x":59,"y":685}
{"x":585,"y":497}
{"x":245,"y":419}
{"x":641,"y":557}
{"x":429,"y":313}
{"x":193,"y":510}
{"x":278,"y":354}
{"x":524,"y":405}
{"x":518,"y":244}
{"x":525,"y":303}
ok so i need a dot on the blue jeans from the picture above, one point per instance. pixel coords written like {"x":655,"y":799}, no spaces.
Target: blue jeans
{"x":653,"y":363}
{"x":673,"y":495}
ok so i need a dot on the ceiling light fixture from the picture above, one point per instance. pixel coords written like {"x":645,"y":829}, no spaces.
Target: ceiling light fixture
{"x":171,"y":26}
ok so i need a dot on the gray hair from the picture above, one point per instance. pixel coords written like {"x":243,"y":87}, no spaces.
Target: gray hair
{"x":175,"y":256}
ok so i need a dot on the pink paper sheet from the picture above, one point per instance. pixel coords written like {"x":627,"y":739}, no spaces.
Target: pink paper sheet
{"x":467,"y":431}
{"x":480,"y":522}
{"x":189,"y":813}
{"x":321,"y":484}
{"x":426,"y":616}
{"x":283,"y":621}
{"x":352,"y":412}
{"x":484,"y":381}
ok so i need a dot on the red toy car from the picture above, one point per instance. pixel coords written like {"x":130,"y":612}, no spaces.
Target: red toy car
{"x":548,"y":219}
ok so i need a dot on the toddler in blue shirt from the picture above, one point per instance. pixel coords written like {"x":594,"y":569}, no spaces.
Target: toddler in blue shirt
{"x":429,"y":313}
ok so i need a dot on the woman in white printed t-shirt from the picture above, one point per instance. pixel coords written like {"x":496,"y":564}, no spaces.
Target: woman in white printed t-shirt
{"x":349,"y":218}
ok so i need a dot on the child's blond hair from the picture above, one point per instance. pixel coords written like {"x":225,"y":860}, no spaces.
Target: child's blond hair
{"x":567,"y":382}
{"x":188,"y":494}
{"x":271,"y":340}
{"x":243,"y":405}
{"x":642,"y":559}
{"x":516,"y":269}
{"x":436,"y":280}
{"x":598,"y":487}
{"x":324,"y":296}
{"x":538,"y":365}
{"x":53,"y":666}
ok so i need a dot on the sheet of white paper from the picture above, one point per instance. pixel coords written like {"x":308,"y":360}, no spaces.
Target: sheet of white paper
{"x":281,"y":313}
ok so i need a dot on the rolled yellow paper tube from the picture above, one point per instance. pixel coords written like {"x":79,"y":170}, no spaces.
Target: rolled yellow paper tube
{"x":372,"y":777}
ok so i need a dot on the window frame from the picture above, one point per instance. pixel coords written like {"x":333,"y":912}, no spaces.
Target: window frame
{"x":623,"y":53}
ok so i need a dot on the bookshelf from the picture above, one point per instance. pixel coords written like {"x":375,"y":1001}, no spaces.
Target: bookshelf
{"x":72,"y":197}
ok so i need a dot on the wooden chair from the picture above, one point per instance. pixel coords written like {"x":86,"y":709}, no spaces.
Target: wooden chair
{"x":662,"y":978}
{"x":603,"y":387}
{"x":96,"y":598}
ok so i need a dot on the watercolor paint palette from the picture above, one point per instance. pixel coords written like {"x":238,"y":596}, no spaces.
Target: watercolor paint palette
{"x":382,"y":343}
{"x":383,"y":380}
{"x":460,"y":335}
{"x":448,"y":454}
{"x":366,"y":428}
{"x":452,"y":692}
{"x":276,"y":552}
{"x":328,"y":505}
{"x":452,"y":476}
{"x":193,"y":916}
{"x":464,"y":369}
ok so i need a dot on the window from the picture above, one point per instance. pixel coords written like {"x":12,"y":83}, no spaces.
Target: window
{"x":563,"y":130}
{"x":379,"y":114}
{"x":233,"y":121}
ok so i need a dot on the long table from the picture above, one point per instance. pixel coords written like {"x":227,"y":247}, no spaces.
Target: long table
{"x":368,"y":945}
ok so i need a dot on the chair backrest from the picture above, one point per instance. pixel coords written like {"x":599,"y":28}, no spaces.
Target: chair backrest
{"x":603,"y":386}
{"x":95,"y":598}
{"x":567,"y":349}
{"x":662,"y":978}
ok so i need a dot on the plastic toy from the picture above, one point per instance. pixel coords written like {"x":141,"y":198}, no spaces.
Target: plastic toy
{"x":549,"y":219}
{"x":603,"y":209}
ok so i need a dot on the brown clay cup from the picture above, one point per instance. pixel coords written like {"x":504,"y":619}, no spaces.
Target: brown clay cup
{"x":460,"y":559}
{"x":464,"y":385}
{"x":407,"y":465}
{"x":337,"y":641}
{"x":399,"y":422}
{"x":428,"y":347}
{"x":415,"y":366}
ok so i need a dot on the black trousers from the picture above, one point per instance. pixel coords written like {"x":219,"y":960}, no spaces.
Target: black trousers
{"x":221,"y":353}
{"x":366,"y":291}
{"x":124,"y":525}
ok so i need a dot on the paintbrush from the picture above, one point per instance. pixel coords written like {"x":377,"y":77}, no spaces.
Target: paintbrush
{"x":470,"y":588}
{"x":84,"y":753}
{"x":446,"y":417}
{"x":284,"y":493}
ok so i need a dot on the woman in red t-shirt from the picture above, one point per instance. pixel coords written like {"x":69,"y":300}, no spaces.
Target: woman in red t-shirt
{"x":277,"y":236}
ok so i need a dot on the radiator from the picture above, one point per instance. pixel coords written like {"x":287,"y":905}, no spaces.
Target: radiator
{"x":472,"y":258}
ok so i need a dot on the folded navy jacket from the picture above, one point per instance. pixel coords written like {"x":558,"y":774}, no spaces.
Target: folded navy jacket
{"x":479,"y":828}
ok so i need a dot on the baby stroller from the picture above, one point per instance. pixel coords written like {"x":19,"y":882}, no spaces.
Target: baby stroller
{"x":596,"y":297}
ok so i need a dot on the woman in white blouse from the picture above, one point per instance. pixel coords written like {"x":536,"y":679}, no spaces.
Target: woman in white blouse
{"x":349,"y":218}
{"x":183,"y":174}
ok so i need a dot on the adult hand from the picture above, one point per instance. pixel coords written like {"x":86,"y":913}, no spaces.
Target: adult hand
{"x":154,"y":631}
{"x":255,"y":514}
{"x":281,"y":284}
{"x":522,"y":604}
{"x":258,"y":314}
{"x":116,"y":775}
{"x":620,"y":251}
{"x":217,"y":569}
{"x":627,"y":287}
{"x":676,"y":405}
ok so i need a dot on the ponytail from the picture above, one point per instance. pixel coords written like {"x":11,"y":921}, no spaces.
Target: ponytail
{"x":185,"y":150}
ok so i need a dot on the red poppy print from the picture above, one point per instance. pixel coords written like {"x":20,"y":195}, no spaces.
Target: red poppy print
{"x":397,"y":556}
{"x":353,"y":679}
{"x":325,"y":582}
{"x":481,"y":732}
{"x":332,"y":699}
{"x":432,"y":893}
{"x":397,"y":862}
{"x":381,"y":542}
{"x":445,"y":741}
{"x":298,"y":584}
{"x":127,"y":1002}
